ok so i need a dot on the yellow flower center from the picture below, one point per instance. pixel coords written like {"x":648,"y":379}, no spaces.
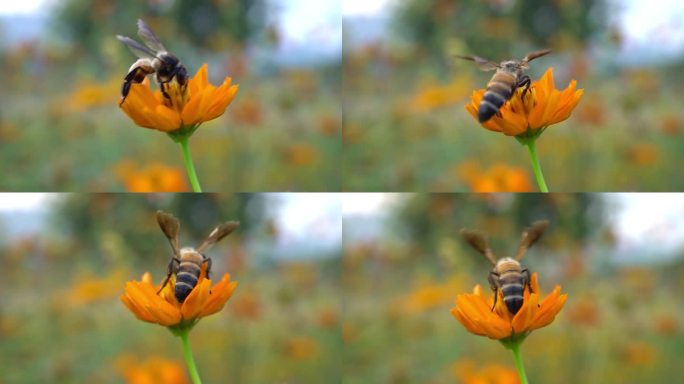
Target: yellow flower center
{"x":174,"y":95}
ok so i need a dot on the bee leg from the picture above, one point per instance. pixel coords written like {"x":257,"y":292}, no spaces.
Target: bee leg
{"x":208,"y":270}
{"x":131,"y":76}
{"x":493,"y":278}
{"x":163,"y":91}
{"x":174,"y":264}
{"x":524,"y":81}
{"x":137,"y":73}
{"x":527,"y":280}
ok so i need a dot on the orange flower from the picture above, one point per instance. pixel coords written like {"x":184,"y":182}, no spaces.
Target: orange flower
{"x":542,"y":106}
{"x":185,"y":109}
{"x":475,"y":312}
{"x":142,"y":299}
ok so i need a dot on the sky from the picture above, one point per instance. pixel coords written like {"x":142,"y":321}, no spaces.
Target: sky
{"x":650,"y":218}
{"x":365,"y":7}
{"x":23,"y":201}
{"x":22,"y":7}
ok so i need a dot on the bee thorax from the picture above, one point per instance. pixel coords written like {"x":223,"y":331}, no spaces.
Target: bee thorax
{"x":507,"y":264}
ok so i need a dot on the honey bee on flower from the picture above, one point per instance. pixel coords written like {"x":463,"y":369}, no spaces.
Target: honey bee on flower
{"x":509,"y":76}
{"x":527,"y":110}
{"x":181,"y":104}
{"x":152,"y":58}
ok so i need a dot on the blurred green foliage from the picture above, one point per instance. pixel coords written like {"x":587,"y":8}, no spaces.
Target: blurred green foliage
{"x":204,"y":23}
{"x":494,"y":29}
{"x":575,"y":215}
{"x":94,"y":220}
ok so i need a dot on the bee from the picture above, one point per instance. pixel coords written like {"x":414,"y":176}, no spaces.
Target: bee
{"x":187,"y":262}
{"x":508,"y":275}
{"x":509,"y":76}
{"x":153,"y":58}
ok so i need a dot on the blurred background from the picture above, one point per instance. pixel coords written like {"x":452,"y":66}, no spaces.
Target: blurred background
{"x":61,"y":129}
{"x":67,"y":257}
{"x":406,"y":128}
{"x":619,"y":257}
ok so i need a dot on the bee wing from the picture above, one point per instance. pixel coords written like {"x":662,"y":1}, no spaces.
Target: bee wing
{"x":534,"y":55}
{"x":170,"y":225}
{"x":217,"y":234}
{"x":149,"y":38}
{"x":530,"y":236}
{"x":483,"y":64}
{"x":479,"y":243}
{"x":138,"y":49}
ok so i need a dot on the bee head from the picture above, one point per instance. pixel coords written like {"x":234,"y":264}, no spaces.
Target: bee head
{"x":510,"y":65}
{"x":166,"y":63}
{"x":168,"y":59}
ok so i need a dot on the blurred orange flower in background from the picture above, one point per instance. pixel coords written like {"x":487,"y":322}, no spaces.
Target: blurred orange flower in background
{"x":142,"y":299}
{"x":88,"y":288}
{"x":500,"y":177}
{"x":643,"y":154}
{"x":475,"y":313}
{"x":542,"y":106}
{"x":301,"y":347}
{"x":431,"y":97}
{"x":249,"y":111}
{"x":88,"y":94}
{"x":466,"y":372}
{"x":187,"y":108}
{"x":300,"y":154}
{"x":430,"y":295}
{"x":154,"y":370}
{"x":671,"y":124}
{"x":584,"y":312}
{"x":153,"y":177}
{"x":247,"y":306}
{"x":639,"y":353}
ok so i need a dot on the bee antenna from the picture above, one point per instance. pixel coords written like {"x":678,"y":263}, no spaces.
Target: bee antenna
{"x":479,"y":243}
{"x":530,"y":236}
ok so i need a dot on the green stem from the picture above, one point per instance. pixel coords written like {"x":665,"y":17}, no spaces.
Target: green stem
{"x":187,"y":158}
{"x":532,"y":149}
{"x":189,"y":360}
{"x":515,"y":347}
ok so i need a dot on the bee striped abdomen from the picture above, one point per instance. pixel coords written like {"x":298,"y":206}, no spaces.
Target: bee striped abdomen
{"x":187,"y":276}
{"x":499,"y":90}
{"x":513,"y":296}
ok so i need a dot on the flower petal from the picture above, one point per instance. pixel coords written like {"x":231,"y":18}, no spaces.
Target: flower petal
{"x":549,"y":308}
{"x":523,"y":319}
{"x":221,"y":99}
{"x":192,"y":306}
{"x":478,"y":312}
{"x":471,"y":326}
{"x":219,"y":294}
